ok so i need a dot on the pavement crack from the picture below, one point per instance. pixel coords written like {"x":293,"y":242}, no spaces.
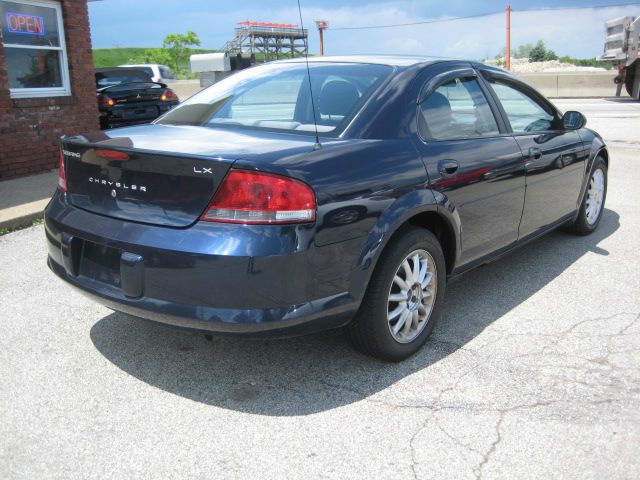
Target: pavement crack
{"x":492,"y":448}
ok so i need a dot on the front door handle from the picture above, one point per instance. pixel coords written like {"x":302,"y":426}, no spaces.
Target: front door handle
{"x":448,"y":168}
{"x":535,"y":153}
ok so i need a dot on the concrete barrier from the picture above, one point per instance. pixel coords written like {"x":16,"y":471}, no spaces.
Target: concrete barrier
{"x":185,"y":88}
{"x":553,"y":85}
{"x":573,"y":84}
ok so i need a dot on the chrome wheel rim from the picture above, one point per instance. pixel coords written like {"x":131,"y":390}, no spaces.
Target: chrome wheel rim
{"x":595,"y":196}
{"x":412,"y":295}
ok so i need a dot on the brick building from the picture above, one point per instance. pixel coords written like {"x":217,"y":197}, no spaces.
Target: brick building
{"x":47,"y":86}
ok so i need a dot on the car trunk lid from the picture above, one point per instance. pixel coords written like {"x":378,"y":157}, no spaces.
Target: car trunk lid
{"x":161,"y":174}
{"x":148,"y":187}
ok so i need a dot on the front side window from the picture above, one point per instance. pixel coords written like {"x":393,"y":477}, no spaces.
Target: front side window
{"x":33,"y":38}
{"x":456,"y":109}
{"x":524,"y":113}
{"x":276,"y":96}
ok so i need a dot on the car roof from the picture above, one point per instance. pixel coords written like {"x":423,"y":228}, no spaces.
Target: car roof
{"x":397,"y":61}
{"x":120,"y":70}
{"x":137,"y":65}
{"x":392,"y":60}
{"x":145,"y":65}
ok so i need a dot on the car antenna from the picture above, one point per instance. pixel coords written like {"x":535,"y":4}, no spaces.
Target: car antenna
{"x":313,"y":106}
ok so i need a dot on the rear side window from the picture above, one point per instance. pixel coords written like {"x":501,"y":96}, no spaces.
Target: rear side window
{"x":166,"y":72}
{"x":148,"y":70}
{"x":456,"y":109}
{"x":524,"y":113}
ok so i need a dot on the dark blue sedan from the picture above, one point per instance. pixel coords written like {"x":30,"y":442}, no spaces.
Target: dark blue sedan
{"x":284,"y":201}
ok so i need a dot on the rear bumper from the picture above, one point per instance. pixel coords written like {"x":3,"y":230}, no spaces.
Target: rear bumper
{"x":211,"y":277}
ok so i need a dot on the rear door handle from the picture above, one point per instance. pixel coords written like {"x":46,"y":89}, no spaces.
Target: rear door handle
{"x":448,"y":168}
{"x":535,"y":153}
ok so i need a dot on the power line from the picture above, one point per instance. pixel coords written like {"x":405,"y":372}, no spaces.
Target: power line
{"x":591,"y":7}
{"x":487,"y":14}
{"x":451,"y":19}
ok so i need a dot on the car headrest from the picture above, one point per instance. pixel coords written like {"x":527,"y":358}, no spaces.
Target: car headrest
{"x":337,"y":97}
{"x":437,"y":113}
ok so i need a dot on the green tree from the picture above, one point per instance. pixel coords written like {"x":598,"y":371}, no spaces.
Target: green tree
{"x":158,"y":55}
{"x":523,"y":51}
{"x":177,"y":44}
{"x":550,"y":55}
{"x":537,"y":53}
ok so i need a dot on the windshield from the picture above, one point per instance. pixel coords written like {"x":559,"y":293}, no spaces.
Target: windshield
{"x":109,"y":79}
{"x":276,"y":96}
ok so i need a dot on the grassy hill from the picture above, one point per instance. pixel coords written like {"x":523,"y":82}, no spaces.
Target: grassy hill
{"x":112,"y":57}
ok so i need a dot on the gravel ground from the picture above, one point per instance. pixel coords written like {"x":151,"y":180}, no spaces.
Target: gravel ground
{"x":533,"y":372}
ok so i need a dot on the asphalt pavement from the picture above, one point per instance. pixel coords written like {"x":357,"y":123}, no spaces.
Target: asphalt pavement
{"x":533,"y":372}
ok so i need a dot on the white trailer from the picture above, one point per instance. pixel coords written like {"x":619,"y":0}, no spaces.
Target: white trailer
{"x":212,"y":67}
{"x":622,"y":50}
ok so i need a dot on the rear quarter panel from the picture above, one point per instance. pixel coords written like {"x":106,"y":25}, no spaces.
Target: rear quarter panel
{"x":365,"y":189}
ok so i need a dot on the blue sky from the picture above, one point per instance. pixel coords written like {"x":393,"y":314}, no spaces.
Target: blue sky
{"x":144,"y":23}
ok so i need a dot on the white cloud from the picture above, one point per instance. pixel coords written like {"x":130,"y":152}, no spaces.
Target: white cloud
{"x":578,"y":33}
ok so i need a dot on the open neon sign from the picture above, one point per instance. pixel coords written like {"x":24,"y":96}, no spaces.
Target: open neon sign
{"x":25,"y":24}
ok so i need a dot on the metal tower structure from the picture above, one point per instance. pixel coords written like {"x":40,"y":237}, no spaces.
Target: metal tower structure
{"x":268,"y":41}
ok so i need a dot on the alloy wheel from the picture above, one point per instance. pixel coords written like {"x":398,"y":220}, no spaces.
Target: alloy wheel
{"x":412,"y":296}
{"x":595,"y":196}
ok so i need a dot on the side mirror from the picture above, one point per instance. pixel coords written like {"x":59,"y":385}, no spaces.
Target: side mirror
{"x":573,"y":120}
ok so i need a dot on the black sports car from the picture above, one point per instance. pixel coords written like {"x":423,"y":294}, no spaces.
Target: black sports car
{"x":128,"y":96}
{"x":290,"y":198}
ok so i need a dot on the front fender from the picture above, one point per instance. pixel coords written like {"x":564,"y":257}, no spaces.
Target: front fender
{"x":392,"y":219}
{"x":597,"y":146}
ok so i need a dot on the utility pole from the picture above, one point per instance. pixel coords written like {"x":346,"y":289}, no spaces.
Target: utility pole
{"x":508,"y":50}
{"x":322,"y":26}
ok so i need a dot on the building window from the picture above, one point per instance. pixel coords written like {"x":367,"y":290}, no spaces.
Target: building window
{"x":34,"y":48}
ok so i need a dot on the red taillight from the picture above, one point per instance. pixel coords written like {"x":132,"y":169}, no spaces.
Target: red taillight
{"x":261,"y":198}
{"x":105,"y":101}
{"x":112,"y":155}
{"x":168,"y":96}
{"x":62,"y":175}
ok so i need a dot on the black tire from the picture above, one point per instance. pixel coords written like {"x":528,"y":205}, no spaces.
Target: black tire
{"x":581,"y":226}
{"x":370,"y":331}
{"x":628,"y":83}
{"x":629,"y":79}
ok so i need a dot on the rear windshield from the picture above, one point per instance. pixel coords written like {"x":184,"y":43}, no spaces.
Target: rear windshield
{"x":148,"y":70}
{"x":276,"y":96}
{"x":109,"y":79}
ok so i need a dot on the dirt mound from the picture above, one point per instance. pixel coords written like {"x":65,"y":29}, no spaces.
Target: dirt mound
{"x":522,"y":65}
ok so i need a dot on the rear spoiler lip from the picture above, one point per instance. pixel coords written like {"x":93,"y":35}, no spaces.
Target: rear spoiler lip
{"x":67,"y":143}
{"x":104,"y":89}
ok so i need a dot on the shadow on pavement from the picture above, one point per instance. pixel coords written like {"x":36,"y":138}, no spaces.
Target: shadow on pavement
{"x":316,"y":373}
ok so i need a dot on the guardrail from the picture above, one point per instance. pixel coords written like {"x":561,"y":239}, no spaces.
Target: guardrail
{"x":574,"y":84}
